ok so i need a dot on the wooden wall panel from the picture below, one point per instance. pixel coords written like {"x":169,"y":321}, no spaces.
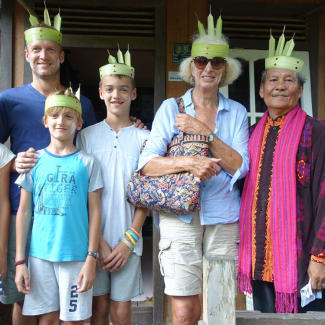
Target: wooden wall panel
{"x":18,"y":45}
{"x":321,"y":65}
{"x":181,"y":24}
{"x":6,"y":26}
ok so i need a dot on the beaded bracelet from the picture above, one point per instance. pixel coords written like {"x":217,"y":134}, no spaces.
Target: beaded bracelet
{"x":126,"y":242}
{"x":133,"y":234}
{"x":132,"y":229}
{"x":129,"y":236}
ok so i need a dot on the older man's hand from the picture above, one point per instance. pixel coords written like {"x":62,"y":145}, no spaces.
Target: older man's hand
{"x":25,"y":161}
{"x":316,"y":272}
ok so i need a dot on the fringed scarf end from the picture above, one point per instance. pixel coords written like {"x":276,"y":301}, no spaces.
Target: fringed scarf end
{"x":286,"y":302}
{"x":244,"y":283}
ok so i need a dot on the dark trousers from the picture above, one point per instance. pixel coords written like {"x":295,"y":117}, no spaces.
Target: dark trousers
{"x":264,"y":299}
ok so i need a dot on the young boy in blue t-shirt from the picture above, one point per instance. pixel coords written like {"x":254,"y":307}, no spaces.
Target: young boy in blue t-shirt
{"x":63,"y":191}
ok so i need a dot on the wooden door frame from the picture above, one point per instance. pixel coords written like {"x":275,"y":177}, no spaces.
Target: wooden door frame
{"x":6,"y":44}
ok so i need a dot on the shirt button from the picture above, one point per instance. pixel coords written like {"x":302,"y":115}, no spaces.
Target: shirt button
{"x":116,"y":137}
{"x":114,"y":146}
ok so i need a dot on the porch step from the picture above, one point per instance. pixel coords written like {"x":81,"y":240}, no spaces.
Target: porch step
{"x":258,"y":318}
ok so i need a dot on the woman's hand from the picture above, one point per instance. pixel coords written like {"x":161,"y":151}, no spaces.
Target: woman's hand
{"x":203,"y":167}
{"x":191,"y":125}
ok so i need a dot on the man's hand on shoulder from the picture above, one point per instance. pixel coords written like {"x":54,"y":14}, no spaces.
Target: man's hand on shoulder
{"x":25,"y":161}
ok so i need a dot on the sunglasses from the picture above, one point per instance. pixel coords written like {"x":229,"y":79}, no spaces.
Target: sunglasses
{"x":201,"y":62}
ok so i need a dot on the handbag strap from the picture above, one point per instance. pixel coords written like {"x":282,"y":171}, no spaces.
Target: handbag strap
{"x":180,"y":104}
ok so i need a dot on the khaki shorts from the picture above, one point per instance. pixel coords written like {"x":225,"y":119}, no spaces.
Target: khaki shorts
{"x":182,"y":246}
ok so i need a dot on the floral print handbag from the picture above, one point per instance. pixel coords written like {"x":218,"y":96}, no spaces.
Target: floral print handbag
{"x":174,"y":193}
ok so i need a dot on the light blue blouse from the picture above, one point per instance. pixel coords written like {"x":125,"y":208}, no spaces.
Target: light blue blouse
{"x":220,"y":199}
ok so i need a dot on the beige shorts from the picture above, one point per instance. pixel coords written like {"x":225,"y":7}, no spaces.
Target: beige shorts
{"x":182,"y":246}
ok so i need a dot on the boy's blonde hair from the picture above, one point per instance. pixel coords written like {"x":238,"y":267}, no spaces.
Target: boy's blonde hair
{"x":55,"y":109}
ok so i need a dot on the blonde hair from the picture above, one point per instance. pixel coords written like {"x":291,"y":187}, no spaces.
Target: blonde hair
{"x":233,"y":67}
{"x":54,"y":110}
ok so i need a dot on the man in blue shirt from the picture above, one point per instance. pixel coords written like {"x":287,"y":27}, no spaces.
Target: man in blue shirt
{"x":21,"y":111}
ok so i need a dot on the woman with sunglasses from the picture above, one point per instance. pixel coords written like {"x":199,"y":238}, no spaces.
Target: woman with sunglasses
{"x":214,"y":229}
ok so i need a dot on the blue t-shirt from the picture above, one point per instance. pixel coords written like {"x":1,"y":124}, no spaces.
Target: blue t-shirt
{"x":21,"y":112}
{"x":60,"y":186}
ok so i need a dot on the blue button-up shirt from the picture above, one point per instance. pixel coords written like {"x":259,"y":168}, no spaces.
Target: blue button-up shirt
{"x":220,"y":199}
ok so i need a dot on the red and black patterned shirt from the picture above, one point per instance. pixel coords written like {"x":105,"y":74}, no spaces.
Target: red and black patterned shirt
{"x":310,"y":180}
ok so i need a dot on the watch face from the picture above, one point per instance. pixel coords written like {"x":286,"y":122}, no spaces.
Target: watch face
{"x":93,"y":254}
{"x":210,"y":138}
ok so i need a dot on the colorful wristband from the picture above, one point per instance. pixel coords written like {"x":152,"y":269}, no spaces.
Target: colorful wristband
{"x":131,"y":239}
{"x":125,"y":242}
{"x":20,"y":262}
{"x":133,"y":234}
{"x":131,"y":228}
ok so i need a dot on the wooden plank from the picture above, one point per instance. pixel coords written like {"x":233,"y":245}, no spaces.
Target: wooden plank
{"x":177,"y":32}
{"x":93,"y":41}
{"x":219,"y":290}
{"x":145,"y":32}
{"x":102,"y":3}
{"x":6,"y":45}
{"x":294,"y":2}
{"x":18,"y":45}
{"x":258,"y":318}
{"x":321,"y":66}
{"x":160,"y":54}
{"x":142,"y":315}
{"x":158,"y":282}
{"x":28,"y":76}
{"x":111,"y":19}
{"x":110,"y":24}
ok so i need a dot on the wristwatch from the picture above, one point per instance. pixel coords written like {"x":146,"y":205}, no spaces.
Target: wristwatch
{"x":93,"y":254}
{"x":210,"y":137}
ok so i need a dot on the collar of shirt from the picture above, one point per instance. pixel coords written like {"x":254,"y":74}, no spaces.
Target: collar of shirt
{"x":188,"y":103}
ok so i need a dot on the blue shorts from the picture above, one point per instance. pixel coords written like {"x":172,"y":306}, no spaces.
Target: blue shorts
{"x":122,"y":285}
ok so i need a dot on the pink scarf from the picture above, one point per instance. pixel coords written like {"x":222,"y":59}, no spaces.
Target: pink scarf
{"x":282,"y":211}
